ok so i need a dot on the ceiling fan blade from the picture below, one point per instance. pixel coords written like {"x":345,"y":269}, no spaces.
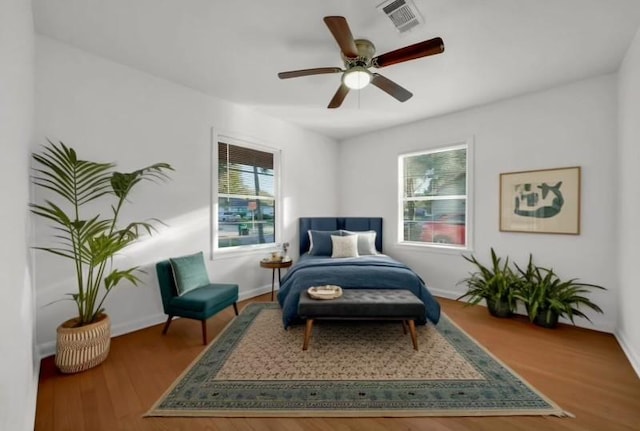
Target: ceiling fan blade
{"x":337,"y":99}
{"x":391,"y":88}
{"x":342,"y":34}
{"x":411,"y":52}
{"x":307,"y":72}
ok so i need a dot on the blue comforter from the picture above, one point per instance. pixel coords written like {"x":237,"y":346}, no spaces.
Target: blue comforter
{"x":370,"y":272}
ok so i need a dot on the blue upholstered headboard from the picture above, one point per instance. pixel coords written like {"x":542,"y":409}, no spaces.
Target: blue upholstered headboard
{"x":336,"y":223}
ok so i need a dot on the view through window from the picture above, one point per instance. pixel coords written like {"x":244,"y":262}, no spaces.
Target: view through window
{"x":434,"y":196}
{"x":246,"y":196}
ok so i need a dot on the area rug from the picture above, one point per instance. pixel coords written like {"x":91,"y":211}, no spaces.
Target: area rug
{"x":256,"y":368}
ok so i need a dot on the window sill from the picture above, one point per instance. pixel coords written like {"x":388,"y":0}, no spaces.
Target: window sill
{"x":433,"y":248}
{"x":234,"y":252}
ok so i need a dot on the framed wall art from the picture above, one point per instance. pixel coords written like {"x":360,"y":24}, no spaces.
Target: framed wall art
{"x":541,"y":201}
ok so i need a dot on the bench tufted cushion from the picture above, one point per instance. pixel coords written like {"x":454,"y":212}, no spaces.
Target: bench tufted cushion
{"x":364,"y":304}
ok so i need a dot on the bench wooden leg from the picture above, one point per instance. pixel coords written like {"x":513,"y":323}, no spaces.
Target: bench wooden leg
{"x":307,"y":334}
{"x":414,"y":335}
{"x":404,"y":327}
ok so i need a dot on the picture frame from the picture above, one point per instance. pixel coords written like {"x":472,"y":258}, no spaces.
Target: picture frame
{"x":541,"y":201}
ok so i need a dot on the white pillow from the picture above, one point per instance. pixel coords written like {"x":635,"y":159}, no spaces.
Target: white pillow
{"x":366,"y":241}
{"x":344,"y":246}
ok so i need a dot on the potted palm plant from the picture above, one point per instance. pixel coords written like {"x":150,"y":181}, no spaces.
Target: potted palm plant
{"x":90,"y":238}
{"x":546,"y":297}
{"x":495,"y":284}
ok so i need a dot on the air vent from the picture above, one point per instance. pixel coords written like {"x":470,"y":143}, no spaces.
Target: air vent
{"x":403,"y":14}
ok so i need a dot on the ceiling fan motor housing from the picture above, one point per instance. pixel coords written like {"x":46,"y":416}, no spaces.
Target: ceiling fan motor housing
{"x":366,"y":51}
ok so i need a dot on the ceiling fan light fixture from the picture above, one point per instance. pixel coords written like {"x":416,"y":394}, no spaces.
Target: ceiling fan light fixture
{"x":356,"y":78}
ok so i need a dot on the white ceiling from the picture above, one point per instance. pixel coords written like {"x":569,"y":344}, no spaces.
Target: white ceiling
{"x":234,"y":49}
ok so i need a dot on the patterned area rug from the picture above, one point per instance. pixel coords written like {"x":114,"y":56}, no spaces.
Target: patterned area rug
{"x":257,"y":368}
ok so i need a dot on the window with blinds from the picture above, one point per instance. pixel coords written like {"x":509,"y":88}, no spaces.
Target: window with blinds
{"x":247,"y":196}
{"x":434,"y":197}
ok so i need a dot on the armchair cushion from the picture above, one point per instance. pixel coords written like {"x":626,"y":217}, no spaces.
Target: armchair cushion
{"x":189,"y":272}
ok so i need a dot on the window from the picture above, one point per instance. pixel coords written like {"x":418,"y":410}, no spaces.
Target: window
{"x":434,"y":197}
{"x":247,"y":195}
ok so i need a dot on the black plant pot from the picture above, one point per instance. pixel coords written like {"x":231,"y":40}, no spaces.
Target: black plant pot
{"x":499,"y":308}
{"x":546,"y":320}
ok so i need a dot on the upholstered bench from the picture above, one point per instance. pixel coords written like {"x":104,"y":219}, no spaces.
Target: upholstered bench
{"x":364,"y":304}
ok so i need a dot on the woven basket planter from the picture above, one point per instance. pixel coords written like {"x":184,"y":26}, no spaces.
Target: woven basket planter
{"x":83,"y":347}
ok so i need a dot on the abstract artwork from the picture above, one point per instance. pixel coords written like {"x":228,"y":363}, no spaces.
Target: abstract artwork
{"x":541,"y":201}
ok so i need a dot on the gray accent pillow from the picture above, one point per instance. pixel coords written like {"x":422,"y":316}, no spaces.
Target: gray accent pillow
{"x":366,"y":241}
{"x":320,"y":242}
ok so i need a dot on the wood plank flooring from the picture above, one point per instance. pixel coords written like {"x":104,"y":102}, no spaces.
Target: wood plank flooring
{"x":584,"y":371}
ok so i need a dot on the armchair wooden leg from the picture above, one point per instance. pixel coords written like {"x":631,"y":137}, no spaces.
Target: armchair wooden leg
{"x":166,"y":325}
{"x":235,"y":308}
{"x":204,"y":332}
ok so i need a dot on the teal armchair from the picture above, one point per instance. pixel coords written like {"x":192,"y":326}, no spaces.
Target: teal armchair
{"x":199,"y":303}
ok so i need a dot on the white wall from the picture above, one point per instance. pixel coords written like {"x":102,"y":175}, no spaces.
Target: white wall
{"x":20,"y":364}
{"x":628,"y":207}
{"x":110,"y":112}
{"x":566,"y":126}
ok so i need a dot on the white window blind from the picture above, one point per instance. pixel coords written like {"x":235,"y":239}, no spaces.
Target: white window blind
{"x":247,"y":186}
{"x":434,"y":197}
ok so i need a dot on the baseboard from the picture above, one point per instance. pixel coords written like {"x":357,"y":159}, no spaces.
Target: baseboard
{"x":597,"y":325}
{"x":632,"y":355}
{"x":444,"y":293}
{"x":252,"y":293}
{"x":136,"y":325}
{"x":49,"y":348}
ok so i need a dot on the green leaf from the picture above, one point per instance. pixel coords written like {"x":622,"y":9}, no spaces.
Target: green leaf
{"x":116,"y":276}
{"x":90,"y":242}
{"x":497,"y":282}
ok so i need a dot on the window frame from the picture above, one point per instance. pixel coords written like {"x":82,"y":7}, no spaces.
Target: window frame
{"x":253,"y":144}
{"x":454,"y":145}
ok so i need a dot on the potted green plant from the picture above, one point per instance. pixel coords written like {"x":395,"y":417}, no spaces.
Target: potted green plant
{"x":90,"y":236}
{"x":495,"y":284}
{"x":546,"y":297}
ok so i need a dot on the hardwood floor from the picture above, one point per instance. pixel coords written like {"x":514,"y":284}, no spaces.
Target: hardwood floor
{"x":584,"y":371}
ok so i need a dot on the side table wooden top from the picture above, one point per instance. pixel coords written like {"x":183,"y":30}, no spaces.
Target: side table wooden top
{"x":273,"y":264}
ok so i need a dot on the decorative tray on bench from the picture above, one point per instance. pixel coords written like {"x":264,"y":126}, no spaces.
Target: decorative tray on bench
{"x":325,"y":292}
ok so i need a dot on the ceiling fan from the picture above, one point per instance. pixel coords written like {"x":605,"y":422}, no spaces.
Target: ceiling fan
{"x":358,"y":56}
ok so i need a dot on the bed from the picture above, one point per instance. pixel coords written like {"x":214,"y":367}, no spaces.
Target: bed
{"x":316,"y":267}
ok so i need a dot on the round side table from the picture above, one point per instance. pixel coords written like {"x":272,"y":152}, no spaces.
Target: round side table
{"x":273,"y":265}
